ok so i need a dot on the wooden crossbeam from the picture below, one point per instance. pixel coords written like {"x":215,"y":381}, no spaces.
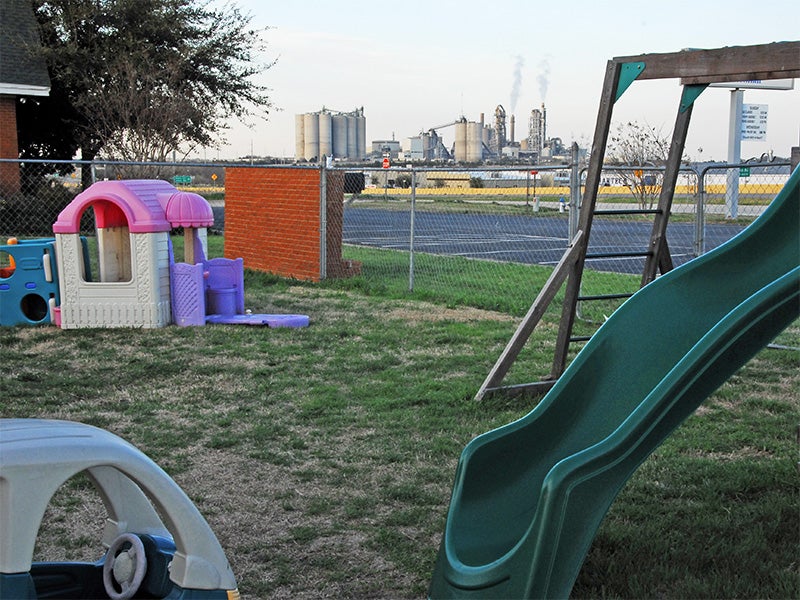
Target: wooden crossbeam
{"x":777,"y":60}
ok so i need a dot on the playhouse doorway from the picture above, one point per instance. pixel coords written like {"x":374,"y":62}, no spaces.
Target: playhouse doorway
{"x":110,"y":249}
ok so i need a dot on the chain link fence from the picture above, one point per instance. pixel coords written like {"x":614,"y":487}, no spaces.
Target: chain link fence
{"x":484,"y":231}
{"x":479,"y":231}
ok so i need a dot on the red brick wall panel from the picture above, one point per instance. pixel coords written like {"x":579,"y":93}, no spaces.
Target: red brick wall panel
{"x":272,"y":221}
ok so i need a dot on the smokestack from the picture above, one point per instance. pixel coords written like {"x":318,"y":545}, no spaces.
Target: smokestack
{"x":544,"y":124}
{"x":512,"y":129}
{"x":481,"y":120}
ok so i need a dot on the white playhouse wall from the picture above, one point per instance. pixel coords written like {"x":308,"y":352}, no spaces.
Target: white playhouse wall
{"x":144,"y":301}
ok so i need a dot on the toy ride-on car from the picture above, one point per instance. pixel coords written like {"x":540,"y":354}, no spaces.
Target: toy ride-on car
{"x":159,"y":545}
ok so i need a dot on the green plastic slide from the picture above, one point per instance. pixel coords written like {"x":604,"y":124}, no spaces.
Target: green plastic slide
{"x":528,"y":497}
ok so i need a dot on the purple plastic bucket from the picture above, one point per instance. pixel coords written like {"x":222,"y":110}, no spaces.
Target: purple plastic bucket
{"x":221,"y":301}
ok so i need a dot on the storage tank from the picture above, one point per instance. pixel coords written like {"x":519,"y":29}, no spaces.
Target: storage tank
{"x":325,"y":134}
{"x":474,"y":148}
{"x":299,"y":138}
{"x":460,"y":150}
{"x":311,"y":133}
{"x":361,"y":137}
{"x":340,"y":136}
{"x":352,"y":137}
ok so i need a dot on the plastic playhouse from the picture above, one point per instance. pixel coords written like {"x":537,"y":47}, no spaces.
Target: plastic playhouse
{"x":138,"y":283}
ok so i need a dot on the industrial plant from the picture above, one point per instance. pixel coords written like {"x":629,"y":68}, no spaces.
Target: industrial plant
{"x":342,"y":136}
{"x":327,"y":133}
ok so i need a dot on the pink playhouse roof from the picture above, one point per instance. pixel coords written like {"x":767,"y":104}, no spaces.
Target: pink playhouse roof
{"x":185,"y":209}
{"x":144,"y":205}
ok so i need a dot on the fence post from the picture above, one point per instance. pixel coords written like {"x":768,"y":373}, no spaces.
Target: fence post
{"x":574,"y":193}
{"x":700,"y":213}
{"x":323,"y":222}
{"x":411,"y":228}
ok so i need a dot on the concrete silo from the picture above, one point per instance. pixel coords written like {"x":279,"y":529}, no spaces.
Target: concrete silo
{"x":325,"y":134}
{"x":474,"y":143}
{"x":361,"y":137}
{"x":460,"y":148}
{"x":311,"y":133}
{"x":299,"y":137}
{"x":340,"y":136}
{"x":352,"y":136}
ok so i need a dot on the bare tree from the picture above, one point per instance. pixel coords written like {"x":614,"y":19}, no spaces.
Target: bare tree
{"x":138,"y":79}
{"x":642,"y":149}
{"x":145,"y":113}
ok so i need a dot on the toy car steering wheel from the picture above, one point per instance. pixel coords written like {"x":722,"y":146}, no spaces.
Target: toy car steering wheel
{"x":124,"y":567}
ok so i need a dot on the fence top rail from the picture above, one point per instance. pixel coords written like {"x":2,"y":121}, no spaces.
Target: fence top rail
{"x":127,"y":163}
{"x":752,"y":163}
{"x":453,"y":168}
{"x":699,"y":168}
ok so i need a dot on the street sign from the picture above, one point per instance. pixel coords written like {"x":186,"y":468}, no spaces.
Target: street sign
{"x":744,"y":171}
{"x":754,"y":122}
{"x":182,"y":179}
{"x":386,"y":163}
{"x":534,"y":172}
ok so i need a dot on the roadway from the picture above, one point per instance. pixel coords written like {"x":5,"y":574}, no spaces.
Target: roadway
{"x":526,"y":239}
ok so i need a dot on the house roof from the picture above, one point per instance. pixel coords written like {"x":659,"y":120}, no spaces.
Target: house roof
{"x":23,"y":71}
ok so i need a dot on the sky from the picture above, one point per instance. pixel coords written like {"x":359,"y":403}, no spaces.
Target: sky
{"x":414,"y":65}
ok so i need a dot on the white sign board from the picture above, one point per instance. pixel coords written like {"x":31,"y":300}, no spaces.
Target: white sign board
{"x":758,"y":84}
{"x":754,"y":122}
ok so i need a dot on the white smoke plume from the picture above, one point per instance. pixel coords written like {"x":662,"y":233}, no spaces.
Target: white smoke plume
{"x":519,"y":63}
{"x":544,"y":77}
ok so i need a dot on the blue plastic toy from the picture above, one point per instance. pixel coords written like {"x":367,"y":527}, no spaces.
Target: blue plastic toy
{"x":29,"y":282}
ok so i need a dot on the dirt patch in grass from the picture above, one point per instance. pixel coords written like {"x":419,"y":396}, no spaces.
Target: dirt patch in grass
{"x":285,"y":537}
{"x":391,"y":309}
{"x":422,"y":312}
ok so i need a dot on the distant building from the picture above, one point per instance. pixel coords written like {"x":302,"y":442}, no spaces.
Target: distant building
{"x":381,"y":148}
{"x":537,"y":130}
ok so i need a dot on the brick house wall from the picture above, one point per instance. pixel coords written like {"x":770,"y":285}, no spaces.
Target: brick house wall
{"x":23,"y":72}
{"x":9,"y":172}
{"x":273,"y":221}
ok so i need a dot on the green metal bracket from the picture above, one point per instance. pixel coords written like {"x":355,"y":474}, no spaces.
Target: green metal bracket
{"x":630,"y":71}
{"x":690,"y":94}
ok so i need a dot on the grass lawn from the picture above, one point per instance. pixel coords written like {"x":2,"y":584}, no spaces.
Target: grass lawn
{"x":324,"y":457}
